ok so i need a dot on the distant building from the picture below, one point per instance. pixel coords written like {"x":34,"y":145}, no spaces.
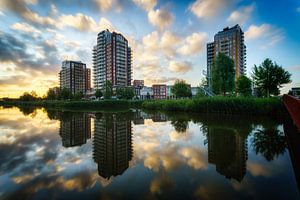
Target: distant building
{"x":159,"y":91}
{"x":170,"y":94}
{"x":88,"y":79}
{"x":112,"y":60}
{"x":56,"y":90}
{"x":229,"y":41}
{"x":194,"y":91}
{"x":295,"y":92}
{"x":146,"y":93}
{"x":138,"y":85}
{"x":74,"y":76}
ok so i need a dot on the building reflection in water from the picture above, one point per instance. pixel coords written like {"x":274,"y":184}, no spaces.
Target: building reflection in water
{"x":75,"y":129}
{"x":228,"y":151}
{"x":112,"y":143}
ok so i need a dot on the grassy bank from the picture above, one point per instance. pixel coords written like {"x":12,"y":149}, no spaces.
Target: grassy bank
{"x":226,"y":105}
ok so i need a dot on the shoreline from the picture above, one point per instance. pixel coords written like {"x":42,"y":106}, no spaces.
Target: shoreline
{"x":221,"y":105}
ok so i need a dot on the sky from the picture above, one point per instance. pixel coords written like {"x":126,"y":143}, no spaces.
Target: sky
{"x":168,"y":38}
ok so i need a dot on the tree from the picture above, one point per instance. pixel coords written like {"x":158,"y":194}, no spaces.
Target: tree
{"x":243,"y":86}
{"x":29,"y":96}
{"x":65,"y":93}
{"x":269,"y":78}
{"x":108,"y":91}
{"x":98,"y":93}
{"x":181,"y":89}
{"x":78,"y":96}
{"x":51,"y":95}
{"x":125,"y":93}
{"x":223,"y":75}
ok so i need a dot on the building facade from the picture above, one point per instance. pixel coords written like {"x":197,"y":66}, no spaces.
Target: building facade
{"x":74,"y":76}
{"x":112,"y":60}
{"x":159,"y":91}
{"x":138,"y":85}
{"x":229,"y":41}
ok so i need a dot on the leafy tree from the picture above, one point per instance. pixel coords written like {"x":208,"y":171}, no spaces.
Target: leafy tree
{"x":78,"y":96}
{"x":65,"y":93}
{"x":29,"y":96}
{"x":108,"y":90}
{"x":51,"y":95}
{"x":125,"y":93}
{"x":181,"y":89}
{"x":98,"y":93}
{"x":243,"y":86}
{"x":269,"y":78}
{"x":223,"y":75}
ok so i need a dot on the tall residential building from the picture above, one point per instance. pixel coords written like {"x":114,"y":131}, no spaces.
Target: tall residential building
{"x":112,"y":60}
{"x":74,"y":76}
{"x":229,"y":41}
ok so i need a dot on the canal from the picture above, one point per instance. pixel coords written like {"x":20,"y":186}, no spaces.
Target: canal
{"x":48,"y":154}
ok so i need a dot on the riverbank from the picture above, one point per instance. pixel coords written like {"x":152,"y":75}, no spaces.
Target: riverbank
{"x":225,"y":105}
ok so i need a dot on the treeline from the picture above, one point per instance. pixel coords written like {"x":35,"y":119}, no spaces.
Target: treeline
{"x":267,"y":78}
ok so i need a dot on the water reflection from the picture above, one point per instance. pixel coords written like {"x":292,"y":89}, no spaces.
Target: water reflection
{"x":112,"y":143}
{"x":142,"y":154}
{"x":74,"y":129}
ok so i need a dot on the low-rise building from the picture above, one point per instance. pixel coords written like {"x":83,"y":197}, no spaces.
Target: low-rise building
{"x":146,"y":93}
{"x":159,"y":91}
{"x":137,"y":86}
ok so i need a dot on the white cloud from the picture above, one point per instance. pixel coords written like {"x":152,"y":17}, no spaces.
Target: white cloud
{"x":83,"y":22}
{"x":160,"y":18}
{"x":106,"y":5}
{"x":242,"y":15}
{"x":180,"y":67}
{"x":208,"y":8}
{"x":269,"y":33}
{"x":169,"y":43}
{"x":146,"y":4}
{"x":24,"y":27}
{"x":151,"y":41}
{"x":194,"y":44}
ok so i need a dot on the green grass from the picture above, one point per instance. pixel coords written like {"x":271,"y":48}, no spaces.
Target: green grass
{"x":225,"y":105}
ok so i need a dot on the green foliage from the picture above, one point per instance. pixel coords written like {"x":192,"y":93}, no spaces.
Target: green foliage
{"x":226,"y":105}
{"x":181,"y":89}
{"x":223,"y":75}
{"x":51,"y":95}
{"x":78,"y":96}
{"x":243,"y":86}
{"x":65,"y":94}
{"x":29,"y":96}
{"x":108,"y":90}
{"x":98,"y":93}
{"x":269,"y":78}
{"x":125,"y":93}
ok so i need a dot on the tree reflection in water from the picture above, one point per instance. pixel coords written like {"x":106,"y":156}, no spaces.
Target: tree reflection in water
{"x":269,"y":142}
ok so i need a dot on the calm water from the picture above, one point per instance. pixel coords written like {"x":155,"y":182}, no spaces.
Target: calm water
{"x":139,"y":155}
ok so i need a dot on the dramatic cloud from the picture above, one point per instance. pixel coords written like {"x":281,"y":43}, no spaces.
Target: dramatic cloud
{"x":160,"y":18}
{"x":146,"y":4}
{"x":270,"y":34}
{"x":169,"y":43}
{"x":242,"y":15}
{"x":24,"y":27}
{"x":194,"y":44}
{"x":19,"y":7}
{"x":208,"y":8}
{"x":180,"y":67}
{"x":106,"y":5}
